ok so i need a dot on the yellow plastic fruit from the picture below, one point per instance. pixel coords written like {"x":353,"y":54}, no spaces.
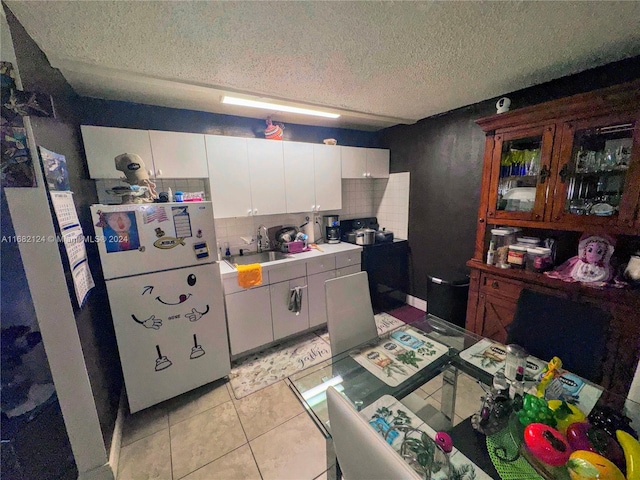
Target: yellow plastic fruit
{"x":574,"y":416}
{"x":631,"y":448}
{"x":582,"y":463}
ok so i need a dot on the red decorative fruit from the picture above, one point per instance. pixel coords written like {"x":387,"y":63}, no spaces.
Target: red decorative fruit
{"x":547,"y":444}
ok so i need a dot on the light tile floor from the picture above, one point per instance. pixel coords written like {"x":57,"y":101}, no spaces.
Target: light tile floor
{"x":208,"y":434}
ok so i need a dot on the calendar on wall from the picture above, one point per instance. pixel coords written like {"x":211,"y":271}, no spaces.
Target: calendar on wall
{"x":73,"y":238}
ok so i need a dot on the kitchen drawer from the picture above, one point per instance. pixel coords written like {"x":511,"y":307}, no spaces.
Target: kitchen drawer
{"x":230,"y":283}
{"x":493,"y":285}
{"x":346,"y":259}
{"x":282,"y":273}
{"x":341,"y":272}
{"x":321,"y":264}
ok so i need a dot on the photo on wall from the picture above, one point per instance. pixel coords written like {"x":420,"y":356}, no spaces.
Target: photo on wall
{"x":55,"y":170}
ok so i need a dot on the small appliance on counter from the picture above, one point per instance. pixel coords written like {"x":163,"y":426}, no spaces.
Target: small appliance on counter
{"x":331,"y":228}
{"x":385,"y":259}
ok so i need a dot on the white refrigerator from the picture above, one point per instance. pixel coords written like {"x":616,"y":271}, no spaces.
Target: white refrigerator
{"x":166,"y":298}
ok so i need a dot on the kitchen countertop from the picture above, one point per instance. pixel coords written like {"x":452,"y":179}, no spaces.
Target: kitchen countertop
{"x":226,"y":270}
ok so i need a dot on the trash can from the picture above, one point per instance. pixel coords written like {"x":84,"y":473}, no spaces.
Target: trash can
{"x":447,"y":292}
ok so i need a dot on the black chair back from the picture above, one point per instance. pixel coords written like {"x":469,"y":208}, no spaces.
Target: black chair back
{"x":548,"y":326}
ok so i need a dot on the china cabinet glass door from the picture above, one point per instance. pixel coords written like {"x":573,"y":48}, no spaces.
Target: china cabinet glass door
{"x":520,"y":174}
{"x":594,"y":175}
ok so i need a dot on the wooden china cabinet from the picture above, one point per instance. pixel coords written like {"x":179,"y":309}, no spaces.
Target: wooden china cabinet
{"x":560,"y":169}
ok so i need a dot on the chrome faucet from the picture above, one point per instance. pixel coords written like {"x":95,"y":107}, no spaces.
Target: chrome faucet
{"x":260,"y":238}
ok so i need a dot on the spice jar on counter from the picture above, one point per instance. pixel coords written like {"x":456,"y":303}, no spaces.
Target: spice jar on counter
{"x":517,"y":256}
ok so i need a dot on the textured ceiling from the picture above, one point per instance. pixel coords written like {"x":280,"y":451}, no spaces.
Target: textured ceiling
{"x":381,"y":63}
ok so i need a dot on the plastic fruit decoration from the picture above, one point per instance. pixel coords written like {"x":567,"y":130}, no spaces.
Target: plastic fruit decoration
{"x":582,"y":465}
{"x":565,"y":414}
{"x":583,"y":436}
{"x":535,"y":410}
{"x":547,"y":444}
{"x":631,"y":448}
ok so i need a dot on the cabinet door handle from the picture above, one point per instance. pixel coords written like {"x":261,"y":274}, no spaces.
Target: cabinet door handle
{"x":544,"y":174}
{"x":364,"y":174}
{"x":249,"y":212}
{"x":313,"y":208}
{"x":564,"y":173}
{"x":255,"y":211}
{"x":159,"y":172}
{"x":150,"y":172}
{"x":495,"y":284}
{"x":317,"y":208}
{"x":481,"y":220}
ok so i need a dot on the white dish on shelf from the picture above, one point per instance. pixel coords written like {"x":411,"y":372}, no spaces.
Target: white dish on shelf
{"x":521,"y":193}
{"x":602,"y":210}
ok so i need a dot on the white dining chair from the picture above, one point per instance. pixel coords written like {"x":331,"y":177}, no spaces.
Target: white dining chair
{"x":350,"y":317}
{"x":362,"y":453}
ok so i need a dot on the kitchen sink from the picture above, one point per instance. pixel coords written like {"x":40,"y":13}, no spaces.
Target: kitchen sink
{"x":253,"y":257}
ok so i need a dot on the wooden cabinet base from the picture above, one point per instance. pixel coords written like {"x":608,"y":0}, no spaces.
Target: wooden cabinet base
{"x":493,"y":296}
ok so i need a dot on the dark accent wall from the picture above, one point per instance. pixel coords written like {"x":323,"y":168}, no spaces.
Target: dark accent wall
{"x":444,"y":155}
{"x":62,"y":135}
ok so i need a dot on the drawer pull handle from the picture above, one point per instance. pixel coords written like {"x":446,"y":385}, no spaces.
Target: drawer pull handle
{"x":495,"y":284}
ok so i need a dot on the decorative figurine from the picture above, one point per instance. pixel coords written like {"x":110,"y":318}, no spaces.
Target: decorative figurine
{"x":592,"y":264}
{"x":136,"y":175}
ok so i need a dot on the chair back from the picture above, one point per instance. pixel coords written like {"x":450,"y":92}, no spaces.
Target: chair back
{"x":362,"y":453}
{"x":350,"y":317}
{"x":548,"y":326}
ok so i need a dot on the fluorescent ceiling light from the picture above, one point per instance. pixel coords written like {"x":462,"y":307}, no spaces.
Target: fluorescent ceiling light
{"x":243,"y":102}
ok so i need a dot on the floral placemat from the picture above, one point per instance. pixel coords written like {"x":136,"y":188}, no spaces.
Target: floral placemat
{"x":490,"y":356}
{"x":388,"y":411}
{"x":396,"y":358}
{"x":257,"y":371}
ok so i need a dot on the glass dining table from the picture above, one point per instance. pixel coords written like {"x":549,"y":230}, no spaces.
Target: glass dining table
{"x":429,"y":348}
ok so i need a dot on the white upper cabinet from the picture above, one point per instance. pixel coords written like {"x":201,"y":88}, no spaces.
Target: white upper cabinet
{"x":313,"y":177}
{"x":328,"y":177}
{"x":103,"y":144}
{"x":354,"y":162}
{"x":358,"y":162}
{"x":266,"y":172}
{"x":178,"y":154}
{"x":229,"y":179}
{"x":299,"y":177}
{"x":165,"y":154}
{"x":377,"y":163}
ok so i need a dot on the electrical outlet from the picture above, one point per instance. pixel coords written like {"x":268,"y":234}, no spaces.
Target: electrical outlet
{"x":317,"y":219}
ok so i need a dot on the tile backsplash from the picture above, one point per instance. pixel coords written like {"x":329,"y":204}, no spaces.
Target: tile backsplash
{"x":387,"y":199}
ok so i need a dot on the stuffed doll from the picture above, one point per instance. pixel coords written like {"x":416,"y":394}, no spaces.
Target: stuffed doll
{"x":135,"y":173}
{"x":591,"y":265}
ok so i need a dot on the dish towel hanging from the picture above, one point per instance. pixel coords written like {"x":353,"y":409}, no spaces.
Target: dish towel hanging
{"x":295,"y":300}
{"x":249,"y":275}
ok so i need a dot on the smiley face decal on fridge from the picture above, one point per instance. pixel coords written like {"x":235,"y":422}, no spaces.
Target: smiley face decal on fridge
{"x":155,"y":322}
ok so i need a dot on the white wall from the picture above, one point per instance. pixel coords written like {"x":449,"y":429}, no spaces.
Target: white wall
{"x":391,"y":203}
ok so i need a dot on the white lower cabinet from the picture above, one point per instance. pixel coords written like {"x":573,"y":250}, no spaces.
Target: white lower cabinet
{"x":317,"y":299}
{"x":341,"y":272}
{"x":249,"y":319}
{"x":286,"y":322}
{"x":260,"y":315}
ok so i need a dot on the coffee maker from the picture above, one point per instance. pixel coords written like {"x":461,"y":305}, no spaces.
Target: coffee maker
{"x":331,"y":228}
